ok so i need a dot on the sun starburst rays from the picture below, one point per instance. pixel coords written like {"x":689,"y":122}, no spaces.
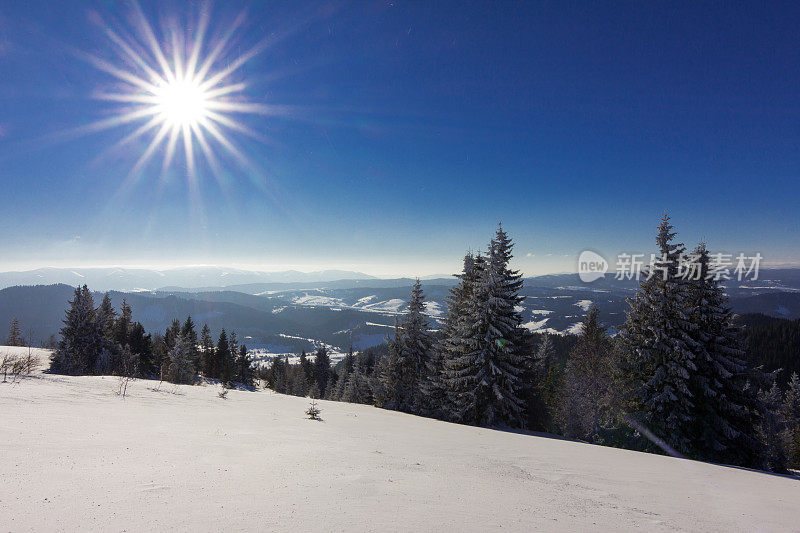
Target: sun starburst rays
{"x":181,"y":94}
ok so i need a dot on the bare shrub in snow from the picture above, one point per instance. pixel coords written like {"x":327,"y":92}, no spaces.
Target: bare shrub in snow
{"x":127,"y":370}
{"x":7,"y":363}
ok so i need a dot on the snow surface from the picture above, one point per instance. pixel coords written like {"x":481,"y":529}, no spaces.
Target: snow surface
{"x":584,"y":304}
{"x":22,"y":351}
{"x":77,"y":457}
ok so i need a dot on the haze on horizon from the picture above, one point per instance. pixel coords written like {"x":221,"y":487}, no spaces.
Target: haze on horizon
{"x":390,"y":138}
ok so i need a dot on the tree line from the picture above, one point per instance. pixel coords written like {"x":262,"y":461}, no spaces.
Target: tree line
{"x":100,"y":341}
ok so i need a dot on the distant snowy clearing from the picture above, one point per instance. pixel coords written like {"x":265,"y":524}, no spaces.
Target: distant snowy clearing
{"x":77,"y":457}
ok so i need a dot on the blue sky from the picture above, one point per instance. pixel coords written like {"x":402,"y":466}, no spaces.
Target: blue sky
{"x":406,"y":130}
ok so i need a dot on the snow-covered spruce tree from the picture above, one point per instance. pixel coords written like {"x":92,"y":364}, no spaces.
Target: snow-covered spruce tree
{"x":107,"y":362}
{"x":338,"y":393}
{"x":770,"y":429}
{"x":412,"y":345}
{"x":544,"y":355}
{"x":543,"y":385}
{"x":491,"y":362}
{"x":190,"y":336}
{"x":277,"y":378}
{"x":108,"y":320}
{"x":356,"y":388}
{"x":449,"y":346}
{"x":298,"y":386}
{"x":307,"y":366}
{"x":208,"y":361}
{"x":179,"y":367}
{"x":244,"y":368}
{"x":123,"y":324}
{"x":224,"y":358}
{"x":381,"y":377}
{"x":345,"y":368}
{"x":391,"y":392}
{"x":725,"y":414}
{"x":233,"y":345}
{"x":81,"y":337}
{"x":659,"y":348}
{"x":322,"y":369}
{"x":586,"y":401}
{"x":432,"y":387}
{"x":140,"y":343}
{"x":14,"y":334}
{"x":791,"y":422}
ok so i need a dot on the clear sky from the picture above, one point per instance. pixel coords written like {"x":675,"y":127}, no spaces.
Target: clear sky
{"x":392,"y":136}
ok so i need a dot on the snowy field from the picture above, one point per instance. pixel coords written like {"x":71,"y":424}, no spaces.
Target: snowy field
{"x":77,"y":457}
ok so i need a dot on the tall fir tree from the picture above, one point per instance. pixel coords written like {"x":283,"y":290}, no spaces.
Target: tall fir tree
{"x":586,"y":401}
{"x":725,"y":414}
{"x":543,"y":385}
{"x":356,"y":387}
{"x":380,"y":379}
{"x":122,"y":327}
{"x":307,"y":366}
{"x":491,"y":363}
{"x":179,"y":368}
{"x":108,"y":319}
{"x":770,"y":430}
{"x":659,"y":348}
{"x":322,"y":369}
{"x":141,"y":346}
{"x":277,"y":378}
{"x":208,"y":361}
{"x":224,"y":358}
{"x":233,"y":344}
{"x":14,"y":334}
{"x":411,"y":346}
{"x":189,"y":334}
{"x":791,"y":422}
{"x":82,"y":339}
{"x":244,"y":367}
{"x":450,"y":347}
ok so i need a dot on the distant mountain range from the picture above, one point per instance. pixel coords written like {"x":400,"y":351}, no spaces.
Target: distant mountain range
{"x":282,"y":317}
{"x":132,"y":279}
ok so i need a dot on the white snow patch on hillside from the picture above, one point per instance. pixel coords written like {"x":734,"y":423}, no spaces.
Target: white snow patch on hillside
{"x":584,"y":304}
{"x":317,"y":300}
{"x":433,"y":309}
{"x":535,"y":325}
{"x":575,"y":329}
{"x":541,"y":312}
{"x":364,"y":301}
{"x":393,"y":306}
{"x":77,"y":457}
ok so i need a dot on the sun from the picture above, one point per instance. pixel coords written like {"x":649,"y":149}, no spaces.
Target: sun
{"x":182,"y":91}
{"x":181,"y":103}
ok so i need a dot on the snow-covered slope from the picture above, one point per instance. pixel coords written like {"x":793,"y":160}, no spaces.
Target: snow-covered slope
{"x":77,"y":457}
